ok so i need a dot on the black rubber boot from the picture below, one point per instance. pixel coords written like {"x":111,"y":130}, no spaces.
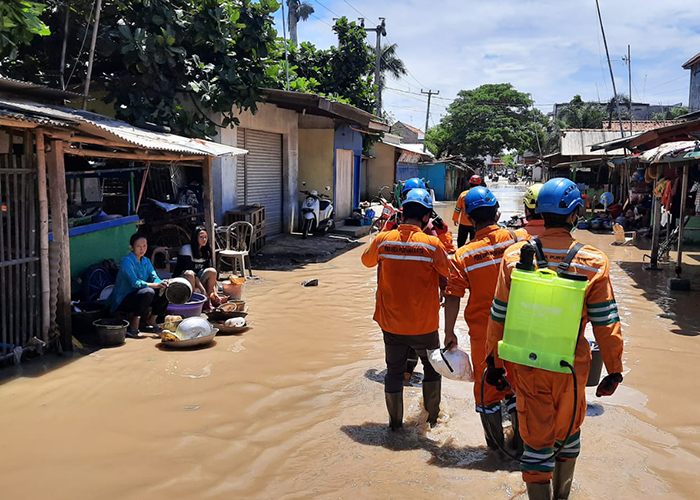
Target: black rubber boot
{"x":493,"y":429}
{"x":394,"y":404}
{"x":431,"y":400}
{"x":539,"y":491}
{"x":563,"y":477}
{"x":517,"y":442}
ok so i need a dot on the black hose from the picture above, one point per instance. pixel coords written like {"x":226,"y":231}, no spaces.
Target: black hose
{"x":568,"y":433}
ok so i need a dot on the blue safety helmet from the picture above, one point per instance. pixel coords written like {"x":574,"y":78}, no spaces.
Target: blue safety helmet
{"x":419,"y":195}
{"x":558,"y":196}
{"x":478,"y":197}
{"x":413,"y":183}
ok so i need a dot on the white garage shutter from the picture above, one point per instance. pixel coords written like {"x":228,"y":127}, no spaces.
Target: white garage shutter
{"x":261,"y":175}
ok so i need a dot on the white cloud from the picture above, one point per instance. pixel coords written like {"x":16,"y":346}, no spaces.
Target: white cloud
{"x":551,"y":49}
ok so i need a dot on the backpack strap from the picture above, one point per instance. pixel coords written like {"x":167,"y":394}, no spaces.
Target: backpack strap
{"x":513,"y":235}
{"x":566,"y":263}
{"x":541,"y":259}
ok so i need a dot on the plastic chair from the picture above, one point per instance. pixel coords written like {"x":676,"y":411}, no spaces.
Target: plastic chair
{"x":238,"y":240}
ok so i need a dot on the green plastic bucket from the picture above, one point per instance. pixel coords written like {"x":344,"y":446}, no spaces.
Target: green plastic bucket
{"x":542,"y":320}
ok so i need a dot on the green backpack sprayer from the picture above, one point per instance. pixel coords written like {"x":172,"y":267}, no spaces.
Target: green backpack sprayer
{"x":543,"y":320}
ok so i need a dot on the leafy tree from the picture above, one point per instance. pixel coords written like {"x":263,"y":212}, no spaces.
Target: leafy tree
{"x":579,"y":114}
{"x":670,"y":114}
{"x":298,"y":11}
{"x":389,"y":65}
{"x":171,"y":62}
{"x":486,"y":121}
{"x":19,"y":23}
{"x":343,"y":72}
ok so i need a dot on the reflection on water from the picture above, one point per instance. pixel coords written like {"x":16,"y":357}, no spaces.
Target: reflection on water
{"x":294,"y":408}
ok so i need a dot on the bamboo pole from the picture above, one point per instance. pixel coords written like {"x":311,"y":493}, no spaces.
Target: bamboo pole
{"x":59,"y":219}
{"x":681,"y":219}
{"x":208,"y":192}
{"x":144,"y":156}
{"x":43,"y":236}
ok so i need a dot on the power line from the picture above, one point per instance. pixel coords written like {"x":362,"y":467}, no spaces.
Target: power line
{"x":324,"y":22}
{"x":363,"y":16}
{"x":329,"y":10}
{"x":666,"y":83}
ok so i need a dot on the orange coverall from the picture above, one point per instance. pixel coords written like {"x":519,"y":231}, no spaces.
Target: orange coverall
{"x":459,"y":215}
{"x":545,"y":399}
{"x":408,"y":302}
{"x":477,"y":263}
{"x":535,"y":227}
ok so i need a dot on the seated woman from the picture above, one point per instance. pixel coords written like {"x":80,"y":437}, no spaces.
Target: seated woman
{"x":138,"y":287}
{"x":195,"y":263}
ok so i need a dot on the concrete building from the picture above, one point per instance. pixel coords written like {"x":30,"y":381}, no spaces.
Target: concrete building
{"x":694,"y":98}
{"x":408,"y":133}
{"x":293,"y":138}
{"x":640,"y":111}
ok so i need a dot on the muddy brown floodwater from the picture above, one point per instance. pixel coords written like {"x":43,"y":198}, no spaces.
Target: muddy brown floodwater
{"x":294,"y":409}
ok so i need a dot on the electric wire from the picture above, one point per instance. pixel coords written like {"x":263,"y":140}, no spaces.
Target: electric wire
{"x":329,"y":10}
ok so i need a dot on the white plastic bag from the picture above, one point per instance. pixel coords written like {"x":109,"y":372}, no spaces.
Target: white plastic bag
{"x":452,"y":364}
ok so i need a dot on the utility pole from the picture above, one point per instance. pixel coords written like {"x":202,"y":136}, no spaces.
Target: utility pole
{"x":612,"y":76}
{"x":429,"y":93}
{"x":380,"y":30}
{"x":286,"y":52}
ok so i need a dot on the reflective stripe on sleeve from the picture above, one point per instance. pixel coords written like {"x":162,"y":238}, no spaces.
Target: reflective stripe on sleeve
{"x":484,"y":264}
{"x":407,"y":244}
{"x":499,"y":310}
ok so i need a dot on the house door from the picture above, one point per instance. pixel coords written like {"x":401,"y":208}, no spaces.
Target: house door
{"x":260,"y":178}
{"x":344,"y":177}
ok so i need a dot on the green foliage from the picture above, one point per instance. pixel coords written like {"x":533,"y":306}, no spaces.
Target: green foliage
{"x":579,"y":114}
{"x":343,"y":73}
{"x":670,"y":114}
{"x":19,"y":24}
{"x":486,"y":121}
{"x":170,"y":62}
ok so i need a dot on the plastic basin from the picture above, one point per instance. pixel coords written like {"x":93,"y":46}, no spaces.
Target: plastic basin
{"x":188,"y":309}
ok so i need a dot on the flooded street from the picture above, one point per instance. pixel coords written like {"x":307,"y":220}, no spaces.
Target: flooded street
{"x":294,"y":408}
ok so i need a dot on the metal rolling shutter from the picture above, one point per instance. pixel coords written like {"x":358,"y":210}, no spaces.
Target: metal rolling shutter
{"x":240,"y":169}
{"x":263,"y":175}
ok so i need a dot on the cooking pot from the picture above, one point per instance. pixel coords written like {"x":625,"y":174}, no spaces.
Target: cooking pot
{"x":179,"y":291}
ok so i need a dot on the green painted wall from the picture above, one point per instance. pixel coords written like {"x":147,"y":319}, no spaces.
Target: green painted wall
{"x":316,"y":159}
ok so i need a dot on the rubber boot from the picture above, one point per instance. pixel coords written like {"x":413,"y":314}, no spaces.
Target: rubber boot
{"x":493,"y":429}
{"x":394,"y":404}
{"x":539,"y":491}
{"x":517,"y":442}
{"x":563,"y":477}
{"x":431,"y":400}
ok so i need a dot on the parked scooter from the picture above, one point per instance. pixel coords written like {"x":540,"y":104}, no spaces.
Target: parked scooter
{"x":316,"y":212}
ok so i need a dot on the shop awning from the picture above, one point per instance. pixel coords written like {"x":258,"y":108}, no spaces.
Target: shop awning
{"x":116,"y":132}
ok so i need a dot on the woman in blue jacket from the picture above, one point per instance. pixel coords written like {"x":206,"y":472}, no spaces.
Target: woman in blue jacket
{"x":138,"y":287}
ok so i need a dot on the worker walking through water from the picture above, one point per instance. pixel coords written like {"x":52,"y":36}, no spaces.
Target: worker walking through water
{"x":460,"y":218}
{"x":535,"y":222}
{"x":408,"y":301}
{"x":546,"y":398}
{"x":475,"y":268}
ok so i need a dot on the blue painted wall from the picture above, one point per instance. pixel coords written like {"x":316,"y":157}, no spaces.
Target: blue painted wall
{"x":347,"y":138}
{"x":434,"y":173}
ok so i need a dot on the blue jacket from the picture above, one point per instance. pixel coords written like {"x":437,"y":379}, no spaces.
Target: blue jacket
{"x":133,"y":275}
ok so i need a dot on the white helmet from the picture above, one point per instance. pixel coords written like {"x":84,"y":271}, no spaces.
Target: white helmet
{"x":314,"y":192}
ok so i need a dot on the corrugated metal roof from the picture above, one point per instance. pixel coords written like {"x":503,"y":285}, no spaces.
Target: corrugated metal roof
{"x":579,"y":142}
{"x":110,"y":128}
{"x":36,"y":90}
{"x":26,"y":117}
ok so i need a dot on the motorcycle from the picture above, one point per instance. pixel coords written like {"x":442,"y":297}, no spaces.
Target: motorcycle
{"x":316,"y":212}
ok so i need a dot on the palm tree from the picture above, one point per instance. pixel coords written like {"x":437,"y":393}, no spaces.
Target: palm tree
{"x":586,"y":115}
{"x":389,"y":64}
{"x":298,"y":11}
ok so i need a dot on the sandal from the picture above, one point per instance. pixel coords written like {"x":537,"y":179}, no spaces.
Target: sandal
{"x":132,"y":334}
{"x":153,"y":329}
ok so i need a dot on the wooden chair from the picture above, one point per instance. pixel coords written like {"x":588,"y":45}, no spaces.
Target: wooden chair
{"x":238,"y":239}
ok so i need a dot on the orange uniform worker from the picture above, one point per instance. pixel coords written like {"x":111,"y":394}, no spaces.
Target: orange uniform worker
{"x":535,"y":222}
{"x":460,"y":218}
{"x":408,"y":301}
{"x":475,"y":267}
{"x":545,"y":399}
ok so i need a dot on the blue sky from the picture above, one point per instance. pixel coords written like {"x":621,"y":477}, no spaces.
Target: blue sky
{"x":551,"y":49}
